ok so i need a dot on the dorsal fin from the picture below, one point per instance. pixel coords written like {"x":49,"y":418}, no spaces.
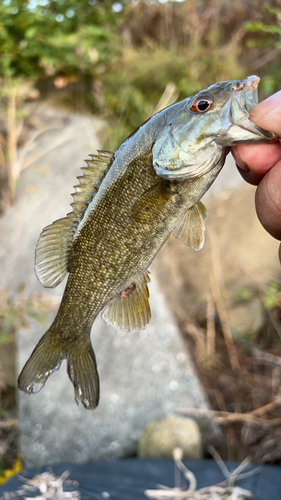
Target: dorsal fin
{"x":89,"y":181}
{"x":55,"y":241}
{"x":190,"y":227}
{"x":130,"y":311}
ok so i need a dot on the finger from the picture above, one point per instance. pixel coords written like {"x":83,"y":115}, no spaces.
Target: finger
{"x":268,"y":201}
{"x":254,"y":160}
{"x":267,"y":114}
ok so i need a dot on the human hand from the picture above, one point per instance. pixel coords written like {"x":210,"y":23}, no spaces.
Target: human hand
{"x":260,"y":164}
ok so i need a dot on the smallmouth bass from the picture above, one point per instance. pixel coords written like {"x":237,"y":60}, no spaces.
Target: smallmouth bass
{"x":127,"y":204}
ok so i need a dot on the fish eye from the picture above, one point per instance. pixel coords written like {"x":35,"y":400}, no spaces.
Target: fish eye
{"x":202,"y":104}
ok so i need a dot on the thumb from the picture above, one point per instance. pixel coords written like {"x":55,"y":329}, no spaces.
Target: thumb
{"x":267,"y":114}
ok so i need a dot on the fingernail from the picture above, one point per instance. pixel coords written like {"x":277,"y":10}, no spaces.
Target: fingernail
{"x":239,"y":162}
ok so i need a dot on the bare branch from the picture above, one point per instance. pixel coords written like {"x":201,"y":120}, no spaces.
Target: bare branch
{"x":225,"y":417}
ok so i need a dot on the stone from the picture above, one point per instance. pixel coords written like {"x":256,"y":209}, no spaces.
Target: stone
{"x":161,"y":437}
{"x":246,"y":317}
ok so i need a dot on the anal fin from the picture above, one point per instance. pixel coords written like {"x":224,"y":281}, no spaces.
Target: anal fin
{"x":130,"y":311}
{"x":190,"y":227}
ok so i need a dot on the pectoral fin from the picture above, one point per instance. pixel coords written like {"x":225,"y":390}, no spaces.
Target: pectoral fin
{"x":190,"y":227}
{"x":151,"y":202}
{"x":130,"y":311}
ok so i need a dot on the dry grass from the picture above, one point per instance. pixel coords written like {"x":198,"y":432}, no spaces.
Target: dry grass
{"x":242,"y":377}
{"x":225,"y":490}
{"x":49,"y":486}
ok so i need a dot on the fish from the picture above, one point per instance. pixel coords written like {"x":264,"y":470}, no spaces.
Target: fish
{"x":125,"y":207}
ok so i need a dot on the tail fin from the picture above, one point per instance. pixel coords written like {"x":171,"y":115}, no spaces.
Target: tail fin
{"x":83,"y":373}
{"x":81,"y":367}
{"x":45,"y":359}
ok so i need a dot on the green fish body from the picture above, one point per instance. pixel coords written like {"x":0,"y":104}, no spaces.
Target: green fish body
{"x":126,"y":206}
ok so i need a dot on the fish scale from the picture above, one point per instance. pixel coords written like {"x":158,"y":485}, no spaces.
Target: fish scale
{"x":125,"y":207}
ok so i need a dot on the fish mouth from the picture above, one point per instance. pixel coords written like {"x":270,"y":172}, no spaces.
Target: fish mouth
{"x":244,"y":97}
{"x":227,"y":124}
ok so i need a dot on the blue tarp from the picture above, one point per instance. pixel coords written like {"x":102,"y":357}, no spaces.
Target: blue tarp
{"x":127,"y":479}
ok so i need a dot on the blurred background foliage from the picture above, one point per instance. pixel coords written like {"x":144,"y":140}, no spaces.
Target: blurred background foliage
{"x":116,"y":58}
{"x":124,"y":60}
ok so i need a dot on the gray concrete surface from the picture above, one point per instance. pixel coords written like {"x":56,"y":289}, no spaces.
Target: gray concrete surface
{"x":143,"y":375}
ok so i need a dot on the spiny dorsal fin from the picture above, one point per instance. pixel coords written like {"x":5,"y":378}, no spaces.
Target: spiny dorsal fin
{"x":55,"y":242}
{"x":130,"y":311}
{"x":89,"y":181}
{"x":190,"y":227}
